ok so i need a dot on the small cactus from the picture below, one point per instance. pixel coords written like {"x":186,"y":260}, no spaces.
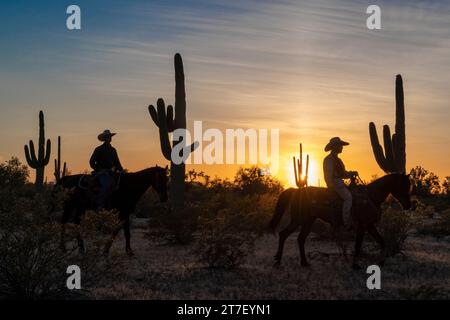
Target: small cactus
{"x":41,"y":160}
{"x":58,"y":173}
{"x":298,"y":170}
{"x":394,"y":157}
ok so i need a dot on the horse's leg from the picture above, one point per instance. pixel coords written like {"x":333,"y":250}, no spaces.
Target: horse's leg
{"x":283,"y":235}
{"x":306,"y":229}
{"x":111,"y":240}
{"x":378,"y":238}
{"x":360,"y":230}
{"x":126,"y":231}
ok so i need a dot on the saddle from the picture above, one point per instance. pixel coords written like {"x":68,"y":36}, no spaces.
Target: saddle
{"x":327,"y":200}
{"x":91,"y":183}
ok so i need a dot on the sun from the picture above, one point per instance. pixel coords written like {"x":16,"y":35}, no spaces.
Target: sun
{"x":313,"y":172}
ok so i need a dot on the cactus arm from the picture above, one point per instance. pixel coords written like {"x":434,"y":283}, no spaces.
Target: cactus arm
{"x":29,"y":158}
{"x":169,"y":119}
{"x":57,"y":171}
{"x":63,"y":174}
{"x":400,"y":143}
{"x":377,"y":149}
{"x":33,"y":154}
{"x":388,"y":149}
{"x":306,"y":171}
{"x":159,"y":117}
{"x":46,"y":160}
{"x":295,"y":171}
{"x":153,"y":114}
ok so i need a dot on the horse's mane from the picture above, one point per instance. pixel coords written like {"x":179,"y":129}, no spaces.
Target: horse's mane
{"x":380,"y":181}
{"x":147,"y":170}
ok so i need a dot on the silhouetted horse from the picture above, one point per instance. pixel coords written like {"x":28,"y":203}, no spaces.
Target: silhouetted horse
{"x":130,"y":188}
{"x":308,"y":204}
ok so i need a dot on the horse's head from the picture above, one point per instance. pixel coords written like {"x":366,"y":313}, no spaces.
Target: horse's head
{"x":160,"y":183}
{"x":402,"y":191}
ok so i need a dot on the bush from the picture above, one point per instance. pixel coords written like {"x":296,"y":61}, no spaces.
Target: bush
{"x":438,"y":229}
{"x":252,"y":181}
{"x":425,"y":183}
{"x":394,"y":228}
{"x":32,"y":263}
{"x":223,"y":243}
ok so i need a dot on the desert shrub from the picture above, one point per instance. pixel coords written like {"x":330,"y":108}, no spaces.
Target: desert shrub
{"x":423,"y":292}
{"x":394,"y":228}
{"x":224,"y":241}
{"x":32,"y":262}
{"x":175,"y":227}
{"x":425,"y":183}
{"x":439,"y":228}
{"x":13,"y":174}
{"x":252,"y":180}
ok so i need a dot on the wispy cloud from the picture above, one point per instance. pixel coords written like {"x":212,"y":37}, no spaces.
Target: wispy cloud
{"x":310,"y":68}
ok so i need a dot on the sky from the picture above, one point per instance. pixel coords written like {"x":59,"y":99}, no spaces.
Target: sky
{"x":309,"y":68}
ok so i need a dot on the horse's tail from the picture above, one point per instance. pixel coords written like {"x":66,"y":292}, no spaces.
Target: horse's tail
{"x":282,"y":204}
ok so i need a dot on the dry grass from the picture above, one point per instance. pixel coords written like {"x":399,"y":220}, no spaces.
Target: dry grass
{"x":162,"y":271}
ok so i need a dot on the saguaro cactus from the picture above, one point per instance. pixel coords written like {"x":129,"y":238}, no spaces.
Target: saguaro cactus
{"x":298,"y":169}
{"x":38,"y":163}
{"x":58,"y":173}
{"x":394,"y":157}
{"x":168,"y":122}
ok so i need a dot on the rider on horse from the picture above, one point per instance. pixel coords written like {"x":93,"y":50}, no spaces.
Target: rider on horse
{"x":334,"y":173}
{"x":105,"y":161}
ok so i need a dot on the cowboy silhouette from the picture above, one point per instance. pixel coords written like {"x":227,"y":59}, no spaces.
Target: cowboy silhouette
{"x":334,"y":173}
{"x":105,"y":161}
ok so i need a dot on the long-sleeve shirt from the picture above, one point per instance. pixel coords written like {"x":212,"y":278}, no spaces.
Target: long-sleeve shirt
{"x":334,"y":170}
{"x":105,"y":158}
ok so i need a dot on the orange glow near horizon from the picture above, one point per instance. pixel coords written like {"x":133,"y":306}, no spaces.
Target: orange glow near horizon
{"x":313,"y":172}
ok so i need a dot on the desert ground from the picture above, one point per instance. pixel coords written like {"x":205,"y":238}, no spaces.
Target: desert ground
{"x":166,"y":271}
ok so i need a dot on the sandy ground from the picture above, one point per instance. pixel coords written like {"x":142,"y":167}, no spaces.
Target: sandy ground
{"x":163,"y":271}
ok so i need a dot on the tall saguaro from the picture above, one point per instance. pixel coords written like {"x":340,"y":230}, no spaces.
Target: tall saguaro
{"x":168,"y":122}
{"x":394,"y":157}
{"x":41,"y":160}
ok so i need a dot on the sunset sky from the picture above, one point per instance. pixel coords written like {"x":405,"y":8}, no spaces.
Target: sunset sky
{"x":309,"y":68}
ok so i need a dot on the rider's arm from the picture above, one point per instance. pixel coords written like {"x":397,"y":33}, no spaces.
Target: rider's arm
{"x":93,"y":160}
{"x":328,"y":170}
{"x":347,"y":174}
{"x":117,"y":163}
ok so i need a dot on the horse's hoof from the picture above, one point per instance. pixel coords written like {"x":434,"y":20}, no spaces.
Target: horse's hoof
{"x":356,"y":266}
{"x":130,"y":252}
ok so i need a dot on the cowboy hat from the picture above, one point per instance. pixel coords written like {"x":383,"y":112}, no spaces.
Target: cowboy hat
{"x":334,"y":142}
{"x":102,"y":136}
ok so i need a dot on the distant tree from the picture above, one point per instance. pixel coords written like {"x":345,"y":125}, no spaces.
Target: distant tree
{"x":13,"y":174}
{"x":252,"y":180}
{"x":446,"y":186}
{"x":425,"y":183}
